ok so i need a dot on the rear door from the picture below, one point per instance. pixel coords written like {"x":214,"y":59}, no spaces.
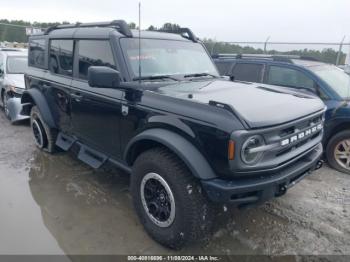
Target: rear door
{"x":96,"y":112}
{"x":58,"y":81}
{"x":247,"y":71}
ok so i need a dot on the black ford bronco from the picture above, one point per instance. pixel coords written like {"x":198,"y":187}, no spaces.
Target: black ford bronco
{"x":160,"y":111}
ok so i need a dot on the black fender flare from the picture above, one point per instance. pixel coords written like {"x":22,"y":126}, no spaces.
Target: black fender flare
{"x":34,"y":96}
{"x":183,"y":148}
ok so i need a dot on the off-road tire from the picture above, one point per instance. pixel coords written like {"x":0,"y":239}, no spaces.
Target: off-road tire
{"x":331,"y":147}
{"x":49,"y":134}
{"x":194,"y":214}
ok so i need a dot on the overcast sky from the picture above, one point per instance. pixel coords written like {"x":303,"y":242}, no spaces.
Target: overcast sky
{"x":224,"y":20}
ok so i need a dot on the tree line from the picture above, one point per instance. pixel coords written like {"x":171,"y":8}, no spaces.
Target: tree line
{"x":328,"y":55}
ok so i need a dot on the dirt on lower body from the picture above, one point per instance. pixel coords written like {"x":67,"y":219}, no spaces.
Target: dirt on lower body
{"x":54,"y":204}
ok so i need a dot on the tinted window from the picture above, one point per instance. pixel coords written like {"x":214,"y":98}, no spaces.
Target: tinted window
{"x":37,"y":49}
{"x":248,"y":72}
{"x":288,"y":77}
{"x":224,"y":67}
{"x":94,"y":53}
{"x":61,"y":57}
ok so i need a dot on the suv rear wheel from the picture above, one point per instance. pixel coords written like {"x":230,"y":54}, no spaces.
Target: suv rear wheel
{"x":44,"y":136}
{"x":169,"y":200}
{"x":338,"y":151}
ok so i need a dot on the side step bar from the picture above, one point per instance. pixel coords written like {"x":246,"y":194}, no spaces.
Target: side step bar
{"x":91,"y":157}
{"x":87,"y":155}
{"x":65,"y":142}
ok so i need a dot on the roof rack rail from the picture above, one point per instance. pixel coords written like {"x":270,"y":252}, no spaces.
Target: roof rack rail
{"x":10,"y":49}
{"x":120,"y":25}
{"x":277,"y":57}
{"x":181,"y":31}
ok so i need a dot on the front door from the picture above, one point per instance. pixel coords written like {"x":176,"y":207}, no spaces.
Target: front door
{"x":96,"y":112}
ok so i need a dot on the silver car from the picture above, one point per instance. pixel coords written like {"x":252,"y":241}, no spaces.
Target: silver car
{"x":13,"y":64}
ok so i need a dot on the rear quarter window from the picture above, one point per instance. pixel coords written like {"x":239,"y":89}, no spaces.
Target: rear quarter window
{"x":37,"y":53}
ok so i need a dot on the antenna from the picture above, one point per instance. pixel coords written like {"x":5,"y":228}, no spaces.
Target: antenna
{"x":140,"y":43}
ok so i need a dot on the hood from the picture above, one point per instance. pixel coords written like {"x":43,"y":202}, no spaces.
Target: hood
{"x":16,"y":80}
{"x":258,"y":105}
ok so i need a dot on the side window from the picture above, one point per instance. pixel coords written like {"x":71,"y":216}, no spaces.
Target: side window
{"x":289,"y":77}
{"x":224,"y":67}
{"x":61,"y":57}
{"x":94,"y":53}
{"x":37,"y":50}
{"x":247,"y":72}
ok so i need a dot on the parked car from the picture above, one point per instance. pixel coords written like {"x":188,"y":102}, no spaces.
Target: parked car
{"x":13,"y":64}
{"x":346,"y":68}
{"x":190,"y":139}
{"x":303,"y":74}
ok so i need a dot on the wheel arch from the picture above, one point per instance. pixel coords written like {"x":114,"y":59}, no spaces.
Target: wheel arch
{"x":180,"y":146}
{"x":33,"y":97}
{"x":339,"y":127}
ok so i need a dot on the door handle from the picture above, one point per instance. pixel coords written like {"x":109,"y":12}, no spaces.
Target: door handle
{"x":77,"y":97}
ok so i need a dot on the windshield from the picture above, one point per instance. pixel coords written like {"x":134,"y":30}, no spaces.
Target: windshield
{"x":336,"y":78}
{"x":166,"y":57}
{"x":17,"y":64}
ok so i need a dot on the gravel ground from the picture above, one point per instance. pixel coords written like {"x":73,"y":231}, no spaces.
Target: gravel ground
{"x":57,"y":205}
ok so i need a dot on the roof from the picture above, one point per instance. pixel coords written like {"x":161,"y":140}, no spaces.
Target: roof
{"x":291,"y":59}
{"x":11,"y":49}
{"x":118,"y":28}
{"x":97,"y":33}
{"x":106,"y":32}
{"x":16,"y":53}
{"x":307,"y":63}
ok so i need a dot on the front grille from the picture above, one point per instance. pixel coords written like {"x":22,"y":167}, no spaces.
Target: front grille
{"x":296,"y":135}
{"x":283,"y":144}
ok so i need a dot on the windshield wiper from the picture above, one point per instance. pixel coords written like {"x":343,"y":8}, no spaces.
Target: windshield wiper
{"x":155,"y":77}
{"x":200,"y":75}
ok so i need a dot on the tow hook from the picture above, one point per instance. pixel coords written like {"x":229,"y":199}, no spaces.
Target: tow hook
{"x":319,"y":164}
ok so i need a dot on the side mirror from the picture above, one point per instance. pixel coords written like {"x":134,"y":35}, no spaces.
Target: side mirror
{"x":103,"y":77}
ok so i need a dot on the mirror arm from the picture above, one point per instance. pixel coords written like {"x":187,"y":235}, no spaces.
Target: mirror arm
{"x":133,"y":95}
{"x":132,"y":92}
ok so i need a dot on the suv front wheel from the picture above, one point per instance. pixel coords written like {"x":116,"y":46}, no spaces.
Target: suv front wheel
{"x":338,"y":151}
{"x":169,"y":200}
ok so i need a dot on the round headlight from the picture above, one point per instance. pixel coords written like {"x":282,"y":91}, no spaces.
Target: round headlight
{"x":249,"y":156}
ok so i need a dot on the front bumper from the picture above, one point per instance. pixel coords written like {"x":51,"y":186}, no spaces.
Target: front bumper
{"x":251,"y":191}
{"x":15,"y":108}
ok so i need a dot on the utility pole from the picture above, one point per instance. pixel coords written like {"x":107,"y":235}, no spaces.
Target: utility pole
{"x":339,"y":52}
{"x":265,"y":44}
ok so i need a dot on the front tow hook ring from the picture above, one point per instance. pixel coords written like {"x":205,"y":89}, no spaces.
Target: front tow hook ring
{"x":319,"y":164}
